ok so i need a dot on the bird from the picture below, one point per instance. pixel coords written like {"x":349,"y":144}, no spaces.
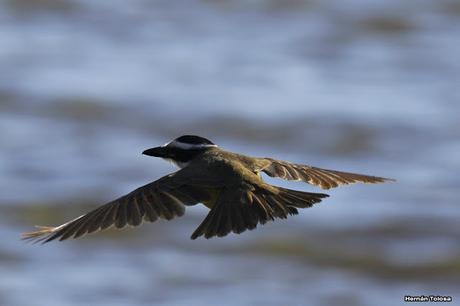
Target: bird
{"x":229,"y":184}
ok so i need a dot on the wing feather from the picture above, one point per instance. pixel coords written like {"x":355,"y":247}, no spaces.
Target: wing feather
{"x":323,"y":178}
{"x":163,"y":199}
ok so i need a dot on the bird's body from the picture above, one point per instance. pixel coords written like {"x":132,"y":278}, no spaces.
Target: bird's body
{"x":229,"y":184}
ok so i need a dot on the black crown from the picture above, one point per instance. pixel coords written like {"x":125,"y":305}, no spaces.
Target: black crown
{"x":192,"y":139}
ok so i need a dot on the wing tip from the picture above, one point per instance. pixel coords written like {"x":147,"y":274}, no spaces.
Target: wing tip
{"x":391,"y":180}
{"x":378,"y":180}
{"x":43,"y":234}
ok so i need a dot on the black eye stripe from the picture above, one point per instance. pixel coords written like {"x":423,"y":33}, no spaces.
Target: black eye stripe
{"x":184,"y":155}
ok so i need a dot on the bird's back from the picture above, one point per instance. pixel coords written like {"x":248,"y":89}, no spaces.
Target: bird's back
{"x":235,"y":169}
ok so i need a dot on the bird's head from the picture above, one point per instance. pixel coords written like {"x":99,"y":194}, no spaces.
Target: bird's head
{"x":181,"y":150}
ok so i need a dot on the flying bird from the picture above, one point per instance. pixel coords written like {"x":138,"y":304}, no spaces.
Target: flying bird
{"x":229,"y":184}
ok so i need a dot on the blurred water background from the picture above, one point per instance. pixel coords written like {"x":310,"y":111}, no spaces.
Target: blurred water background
{"x":364,"y":86}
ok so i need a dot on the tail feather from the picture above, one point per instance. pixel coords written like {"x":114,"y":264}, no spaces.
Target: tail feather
{"x":300,"y":199}
{"x":238,"y":214}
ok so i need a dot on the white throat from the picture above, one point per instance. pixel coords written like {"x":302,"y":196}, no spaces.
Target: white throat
{"x":177,"y":163}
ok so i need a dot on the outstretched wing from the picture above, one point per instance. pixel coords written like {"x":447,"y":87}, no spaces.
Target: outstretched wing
{"x":164,"y":199}
{"x":323,"y":178}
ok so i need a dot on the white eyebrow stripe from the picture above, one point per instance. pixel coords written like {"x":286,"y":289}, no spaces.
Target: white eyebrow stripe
{"x":167,"y":143}
{"x":182,"y":145}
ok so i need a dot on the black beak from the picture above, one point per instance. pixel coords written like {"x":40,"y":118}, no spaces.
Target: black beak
{"x":157,"y":152}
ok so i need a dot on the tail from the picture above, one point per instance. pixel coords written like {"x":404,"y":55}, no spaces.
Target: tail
{"x":238,"y":211}
{"x":300,"y":199}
